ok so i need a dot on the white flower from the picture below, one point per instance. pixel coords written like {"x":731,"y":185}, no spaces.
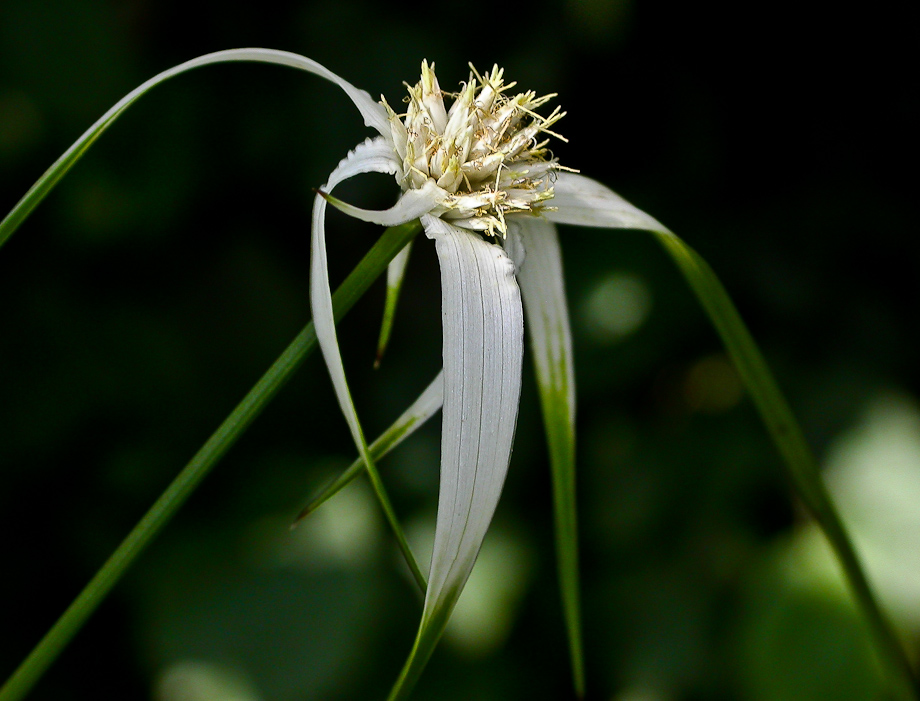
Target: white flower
{"x":487,"y":192}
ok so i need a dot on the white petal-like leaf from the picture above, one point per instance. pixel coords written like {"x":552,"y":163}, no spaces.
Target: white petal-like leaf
{"x":586,"y":202}
{"x":371,"y":156}
{"x":543,"y":290}
{"x":483,"y":347}
{"x":375,"y":116}
{"x":412,"y":205}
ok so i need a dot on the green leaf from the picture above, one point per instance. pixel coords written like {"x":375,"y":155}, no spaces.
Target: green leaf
{"x":788,"y":438}
{"x":395,"y":275}
{"x":543,"y":291}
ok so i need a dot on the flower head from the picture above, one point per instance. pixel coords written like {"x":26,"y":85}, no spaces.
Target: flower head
{"x":484,"y":152}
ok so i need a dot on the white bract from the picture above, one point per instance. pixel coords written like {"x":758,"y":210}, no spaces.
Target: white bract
{"x":480,"y":178}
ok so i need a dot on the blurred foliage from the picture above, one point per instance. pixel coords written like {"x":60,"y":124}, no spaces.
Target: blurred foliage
{"x":149,"y":292}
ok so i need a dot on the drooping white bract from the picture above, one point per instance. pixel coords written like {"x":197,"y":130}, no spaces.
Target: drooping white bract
{"x":478,"y":169}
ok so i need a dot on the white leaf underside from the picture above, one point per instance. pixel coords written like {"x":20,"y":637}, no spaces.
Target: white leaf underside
{"x":373,"y":155}
{"x":428,"y":403}
{"x":586,"y":202}
{"x":543,"y":289}
{"x":483,"y":347}
{"x":375,"y":116}
{"x":411,"y":205}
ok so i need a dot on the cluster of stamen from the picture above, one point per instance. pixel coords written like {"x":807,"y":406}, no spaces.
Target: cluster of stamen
{"x":484,"y":153}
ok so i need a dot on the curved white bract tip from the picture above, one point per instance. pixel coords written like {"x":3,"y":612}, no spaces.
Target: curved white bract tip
{"x":372,"y":156}
{"x":586,"y":202}
{"x":411,"y":205}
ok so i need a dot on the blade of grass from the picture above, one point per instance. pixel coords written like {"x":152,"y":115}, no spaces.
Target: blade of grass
{"x":395,"y":275}
{"x":543,"y":290}
{"x":789,"y":440}
{"x":357,"y":283}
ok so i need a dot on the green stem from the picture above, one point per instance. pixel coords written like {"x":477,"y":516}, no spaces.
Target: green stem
{"x":377,"y":483}
{"x":372,"y":265}
{"x":788,"y":438}
{"x":561,"y":439}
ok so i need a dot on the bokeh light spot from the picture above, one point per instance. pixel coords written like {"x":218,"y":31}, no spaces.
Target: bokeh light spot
{"x":203,"y":681}
{"x":617,"y":307}
{"x":874,"y":474}
{"x":712,"y":385}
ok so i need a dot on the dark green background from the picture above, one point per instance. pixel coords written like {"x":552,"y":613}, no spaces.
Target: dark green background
{"x":151,"y":289}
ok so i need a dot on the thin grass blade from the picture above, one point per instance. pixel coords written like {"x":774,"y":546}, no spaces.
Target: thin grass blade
{"x":396,"y":273}
{"x":789,"y":440}
{"x":543,"y":291}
